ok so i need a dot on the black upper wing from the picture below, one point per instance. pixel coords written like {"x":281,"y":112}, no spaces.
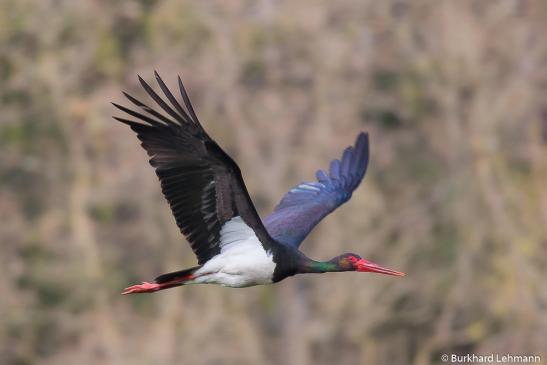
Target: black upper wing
{"x":202,"y":184}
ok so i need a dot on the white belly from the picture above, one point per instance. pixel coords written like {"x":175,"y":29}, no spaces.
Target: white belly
{"x":242,"y":260}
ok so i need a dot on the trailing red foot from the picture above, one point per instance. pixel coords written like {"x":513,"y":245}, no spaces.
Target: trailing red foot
{"x":145,"y":287}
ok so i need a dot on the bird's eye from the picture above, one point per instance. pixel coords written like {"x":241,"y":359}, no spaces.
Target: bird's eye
{"x":352,"y":259}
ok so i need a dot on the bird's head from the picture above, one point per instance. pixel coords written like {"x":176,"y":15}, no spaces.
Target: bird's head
{"x":354,"y":262}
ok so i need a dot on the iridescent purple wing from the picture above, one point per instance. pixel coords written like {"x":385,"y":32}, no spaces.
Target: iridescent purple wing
{"x":309,"y":202}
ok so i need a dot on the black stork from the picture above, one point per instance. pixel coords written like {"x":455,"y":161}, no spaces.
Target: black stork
{"x":213,"y":209}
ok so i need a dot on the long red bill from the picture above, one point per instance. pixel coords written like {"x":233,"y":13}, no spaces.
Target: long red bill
{"x":369,"y":266}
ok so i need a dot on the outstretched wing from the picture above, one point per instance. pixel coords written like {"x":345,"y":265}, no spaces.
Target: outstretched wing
{"x":202,"y":184}
{"x":309,"y":202}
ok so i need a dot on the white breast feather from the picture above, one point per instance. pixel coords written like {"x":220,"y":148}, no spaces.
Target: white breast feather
{"x":242,"y":260}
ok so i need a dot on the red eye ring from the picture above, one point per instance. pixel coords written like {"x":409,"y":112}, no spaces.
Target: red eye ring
{"x":352,"y":259}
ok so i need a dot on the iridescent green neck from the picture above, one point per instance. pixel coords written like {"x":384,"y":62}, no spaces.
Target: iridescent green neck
{"x":321,"y":267}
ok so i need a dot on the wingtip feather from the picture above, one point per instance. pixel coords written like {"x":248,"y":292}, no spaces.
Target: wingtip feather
{"x":347,"y":157}
{"x":187,"y":102}
{"x":335,"y":169}
{"x":125,"y":121}
{"x":322,"y":176}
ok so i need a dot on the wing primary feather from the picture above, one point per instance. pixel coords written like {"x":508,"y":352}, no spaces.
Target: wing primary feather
{"x":138,"y":115}
{"x":171,"y":98}
{"x":346,"y":160}
{"x":149,"y":110}
{"x":363,"y":160}
{"x":358,"y":152}
{"x":159,"y":100}
{"x":128,"y":122}
{"x":188,"y":103}
{"x":322,"y":176}
{"x":335,"y":169}
{"x":135,"y":101}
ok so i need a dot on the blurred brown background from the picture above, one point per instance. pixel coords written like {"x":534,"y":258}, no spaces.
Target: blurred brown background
{"x":453,"y":94}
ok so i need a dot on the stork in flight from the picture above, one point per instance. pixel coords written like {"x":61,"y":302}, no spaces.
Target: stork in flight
{"x":214,"y":211}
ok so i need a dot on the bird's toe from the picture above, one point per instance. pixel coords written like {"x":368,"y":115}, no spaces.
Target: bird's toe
{"x":145,"y":287}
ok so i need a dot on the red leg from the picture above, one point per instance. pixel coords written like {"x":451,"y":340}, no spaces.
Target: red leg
{"x":145,"y":287}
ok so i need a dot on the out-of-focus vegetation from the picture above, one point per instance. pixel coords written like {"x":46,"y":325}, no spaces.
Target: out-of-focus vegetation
{"x":453,"y":93}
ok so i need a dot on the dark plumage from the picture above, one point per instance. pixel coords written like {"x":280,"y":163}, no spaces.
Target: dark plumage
{"x":212,"y":207}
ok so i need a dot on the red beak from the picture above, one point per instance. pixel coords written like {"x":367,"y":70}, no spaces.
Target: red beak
{"x":369,"y":266}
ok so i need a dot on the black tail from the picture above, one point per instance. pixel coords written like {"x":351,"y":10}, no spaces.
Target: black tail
{"x":176,"y":275}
